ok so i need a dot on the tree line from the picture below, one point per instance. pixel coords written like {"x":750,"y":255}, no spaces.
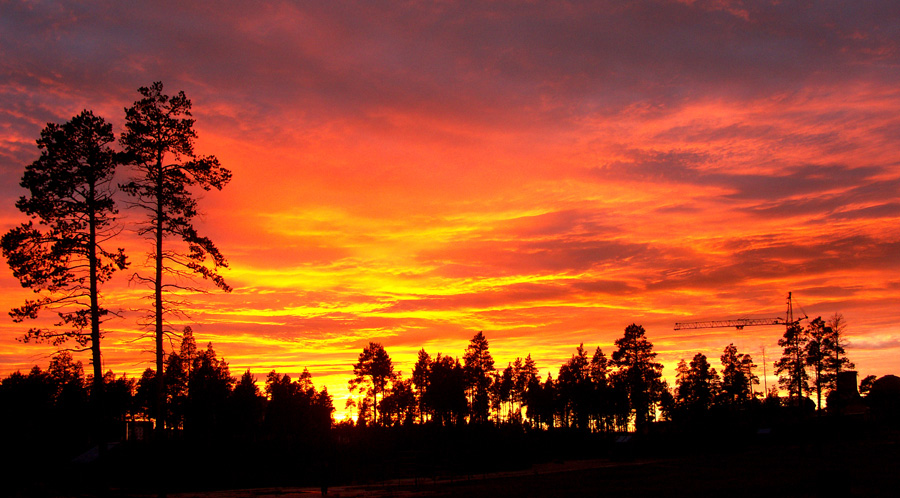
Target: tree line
{"x":596,"y":393}
{"x":204,"y":401}
{"x":592,"y":391}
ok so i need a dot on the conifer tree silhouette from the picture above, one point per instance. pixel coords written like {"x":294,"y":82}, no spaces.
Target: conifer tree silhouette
{"x":639,"y":373}
{"x":159,"y":140}
{"x":63,"y":258}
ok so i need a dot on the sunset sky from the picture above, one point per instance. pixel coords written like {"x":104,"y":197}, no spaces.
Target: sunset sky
{"x":412,"y":173}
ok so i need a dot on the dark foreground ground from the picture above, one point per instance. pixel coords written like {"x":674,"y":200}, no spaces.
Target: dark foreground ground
{"x":687,"y":464}
{"x":870,"y":471}
{"x":864,"y":469}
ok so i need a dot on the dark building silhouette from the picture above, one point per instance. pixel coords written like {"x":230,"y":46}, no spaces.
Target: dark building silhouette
{"x":845,"y":399}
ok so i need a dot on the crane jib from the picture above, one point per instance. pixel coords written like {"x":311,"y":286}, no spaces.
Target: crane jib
{"x":740,"y":323}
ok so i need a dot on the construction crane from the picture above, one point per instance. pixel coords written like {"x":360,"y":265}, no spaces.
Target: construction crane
{"x":740,"y":323}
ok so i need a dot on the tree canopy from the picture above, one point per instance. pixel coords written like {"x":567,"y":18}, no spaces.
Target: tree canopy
{"x":478,"y":365}
{"x":638,"y":372}
{"x":373,"y":372}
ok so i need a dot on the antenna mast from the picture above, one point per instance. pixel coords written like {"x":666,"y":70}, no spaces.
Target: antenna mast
{"x":789,"y":318}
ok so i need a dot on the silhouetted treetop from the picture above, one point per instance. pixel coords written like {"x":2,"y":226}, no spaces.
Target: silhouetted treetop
{"x":373,"y":372}
{"x":638,"y":373}
{"x":791,"y":367}
{"x":478,"y":365}
{"x":737,"y":376}
{"x":159,"y":141}
{"x":65,"y":258}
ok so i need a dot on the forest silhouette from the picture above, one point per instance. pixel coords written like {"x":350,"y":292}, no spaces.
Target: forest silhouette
{"x":179,"y":424}
{"x":429,"y":426}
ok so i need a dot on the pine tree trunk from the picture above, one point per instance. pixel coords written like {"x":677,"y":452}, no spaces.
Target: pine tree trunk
{"x":818,"y":388}
{"x":160,"y":383}
{"x":374,"y":404}
{"x":97,"y":389}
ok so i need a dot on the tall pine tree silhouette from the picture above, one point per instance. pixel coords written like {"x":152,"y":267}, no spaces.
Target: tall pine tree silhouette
{"x":62,"y":258}
{"x":159,"y":140}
